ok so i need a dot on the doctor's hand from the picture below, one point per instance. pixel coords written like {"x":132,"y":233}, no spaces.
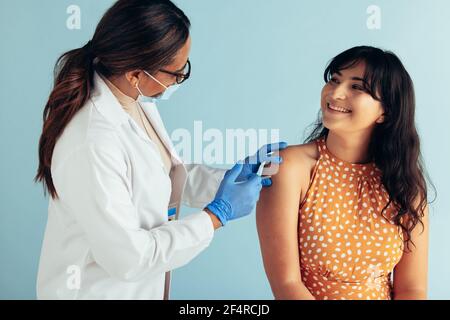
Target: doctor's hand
{"x":266,"y":154}
{"x":236,"y":199}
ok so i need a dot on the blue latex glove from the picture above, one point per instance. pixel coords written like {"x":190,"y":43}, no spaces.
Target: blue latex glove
{"x":236,"y":199}
{"x":264,"y":154}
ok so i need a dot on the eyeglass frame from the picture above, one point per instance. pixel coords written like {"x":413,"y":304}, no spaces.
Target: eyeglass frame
{"x":183,"y":76}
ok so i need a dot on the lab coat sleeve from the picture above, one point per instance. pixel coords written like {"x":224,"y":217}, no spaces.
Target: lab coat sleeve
{"x":201,"y":185}
{"x":92,"y":182}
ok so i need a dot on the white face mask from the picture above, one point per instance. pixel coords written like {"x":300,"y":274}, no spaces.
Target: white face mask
{"x":165,"y":95}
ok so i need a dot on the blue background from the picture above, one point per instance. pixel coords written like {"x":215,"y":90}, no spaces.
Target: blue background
{"x":256,"y":64}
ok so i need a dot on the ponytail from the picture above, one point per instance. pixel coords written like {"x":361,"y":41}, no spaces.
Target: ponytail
{"x":74,"y":74}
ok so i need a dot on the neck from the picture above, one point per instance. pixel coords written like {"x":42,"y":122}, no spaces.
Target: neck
{"x":353,"y":147}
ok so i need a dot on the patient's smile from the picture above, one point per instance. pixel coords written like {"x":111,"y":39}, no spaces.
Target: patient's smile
{"x":337,"y":109}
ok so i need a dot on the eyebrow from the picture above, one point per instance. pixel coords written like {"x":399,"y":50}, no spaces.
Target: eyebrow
{"x":354,"y":78}
{"x":358,"y":79}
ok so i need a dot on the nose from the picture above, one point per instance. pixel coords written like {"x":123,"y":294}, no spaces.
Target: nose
{"x":338,"y":92}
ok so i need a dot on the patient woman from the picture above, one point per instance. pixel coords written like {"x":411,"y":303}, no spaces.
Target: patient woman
{"x":347,"y":215}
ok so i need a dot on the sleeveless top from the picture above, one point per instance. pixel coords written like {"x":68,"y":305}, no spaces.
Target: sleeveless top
{"x":348,"y":249}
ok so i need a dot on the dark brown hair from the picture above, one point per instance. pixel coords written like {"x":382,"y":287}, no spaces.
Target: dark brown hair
{"x":132,"y":35}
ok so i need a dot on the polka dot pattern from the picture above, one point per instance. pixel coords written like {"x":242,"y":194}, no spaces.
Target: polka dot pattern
{"x":348,"y":250}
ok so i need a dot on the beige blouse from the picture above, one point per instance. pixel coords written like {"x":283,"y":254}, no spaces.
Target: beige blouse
{"x":133,"y":108}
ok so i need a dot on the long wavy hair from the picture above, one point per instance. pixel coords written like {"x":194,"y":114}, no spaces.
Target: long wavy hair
{"x":395,"y":143}
{"x":132,"y":35}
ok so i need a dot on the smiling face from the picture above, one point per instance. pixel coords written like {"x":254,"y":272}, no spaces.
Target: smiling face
{"x":346,"y":105}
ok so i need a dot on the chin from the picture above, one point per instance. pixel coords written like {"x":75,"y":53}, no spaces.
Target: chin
{"x":331,"y":125}
{"x":327,"y":125}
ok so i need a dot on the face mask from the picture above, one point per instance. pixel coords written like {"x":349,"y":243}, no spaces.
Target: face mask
{"x":165,"y":95}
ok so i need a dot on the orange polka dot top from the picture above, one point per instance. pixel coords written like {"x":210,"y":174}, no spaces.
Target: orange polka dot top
{"x":348,"y":250}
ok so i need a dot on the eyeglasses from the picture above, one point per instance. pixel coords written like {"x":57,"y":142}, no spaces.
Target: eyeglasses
{"x":180,"y":76}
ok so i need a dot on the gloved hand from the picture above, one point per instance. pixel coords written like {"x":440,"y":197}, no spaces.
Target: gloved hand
{"x":264,"y":154}
{"x":236,"y":199}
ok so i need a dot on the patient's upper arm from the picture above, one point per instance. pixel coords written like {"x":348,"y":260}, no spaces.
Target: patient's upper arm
{"x":411,"y":273}
{"x":277,"y":220}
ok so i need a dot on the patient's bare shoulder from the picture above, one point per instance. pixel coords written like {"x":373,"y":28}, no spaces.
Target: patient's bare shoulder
{"x":301,"y":156}
{"x":298,"y":164}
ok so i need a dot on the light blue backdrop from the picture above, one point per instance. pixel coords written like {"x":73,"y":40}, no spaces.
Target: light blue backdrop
{"x":256,"y":64}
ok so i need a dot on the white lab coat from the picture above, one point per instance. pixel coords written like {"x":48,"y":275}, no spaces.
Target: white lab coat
{"x":108,"y":234}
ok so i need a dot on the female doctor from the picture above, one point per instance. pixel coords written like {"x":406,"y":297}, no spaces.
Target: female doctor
{"x":112,"y":171}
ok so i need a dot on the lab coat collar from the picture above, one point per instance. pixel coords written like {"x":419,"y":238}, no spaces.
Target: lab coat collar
{"x":154,"y":117}
{"x":108,"y":105}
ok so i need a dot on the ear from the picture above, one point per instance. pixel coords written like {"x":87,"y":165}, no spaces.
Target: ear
{"x":133,"y":77}
{"x":380,"y":119}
